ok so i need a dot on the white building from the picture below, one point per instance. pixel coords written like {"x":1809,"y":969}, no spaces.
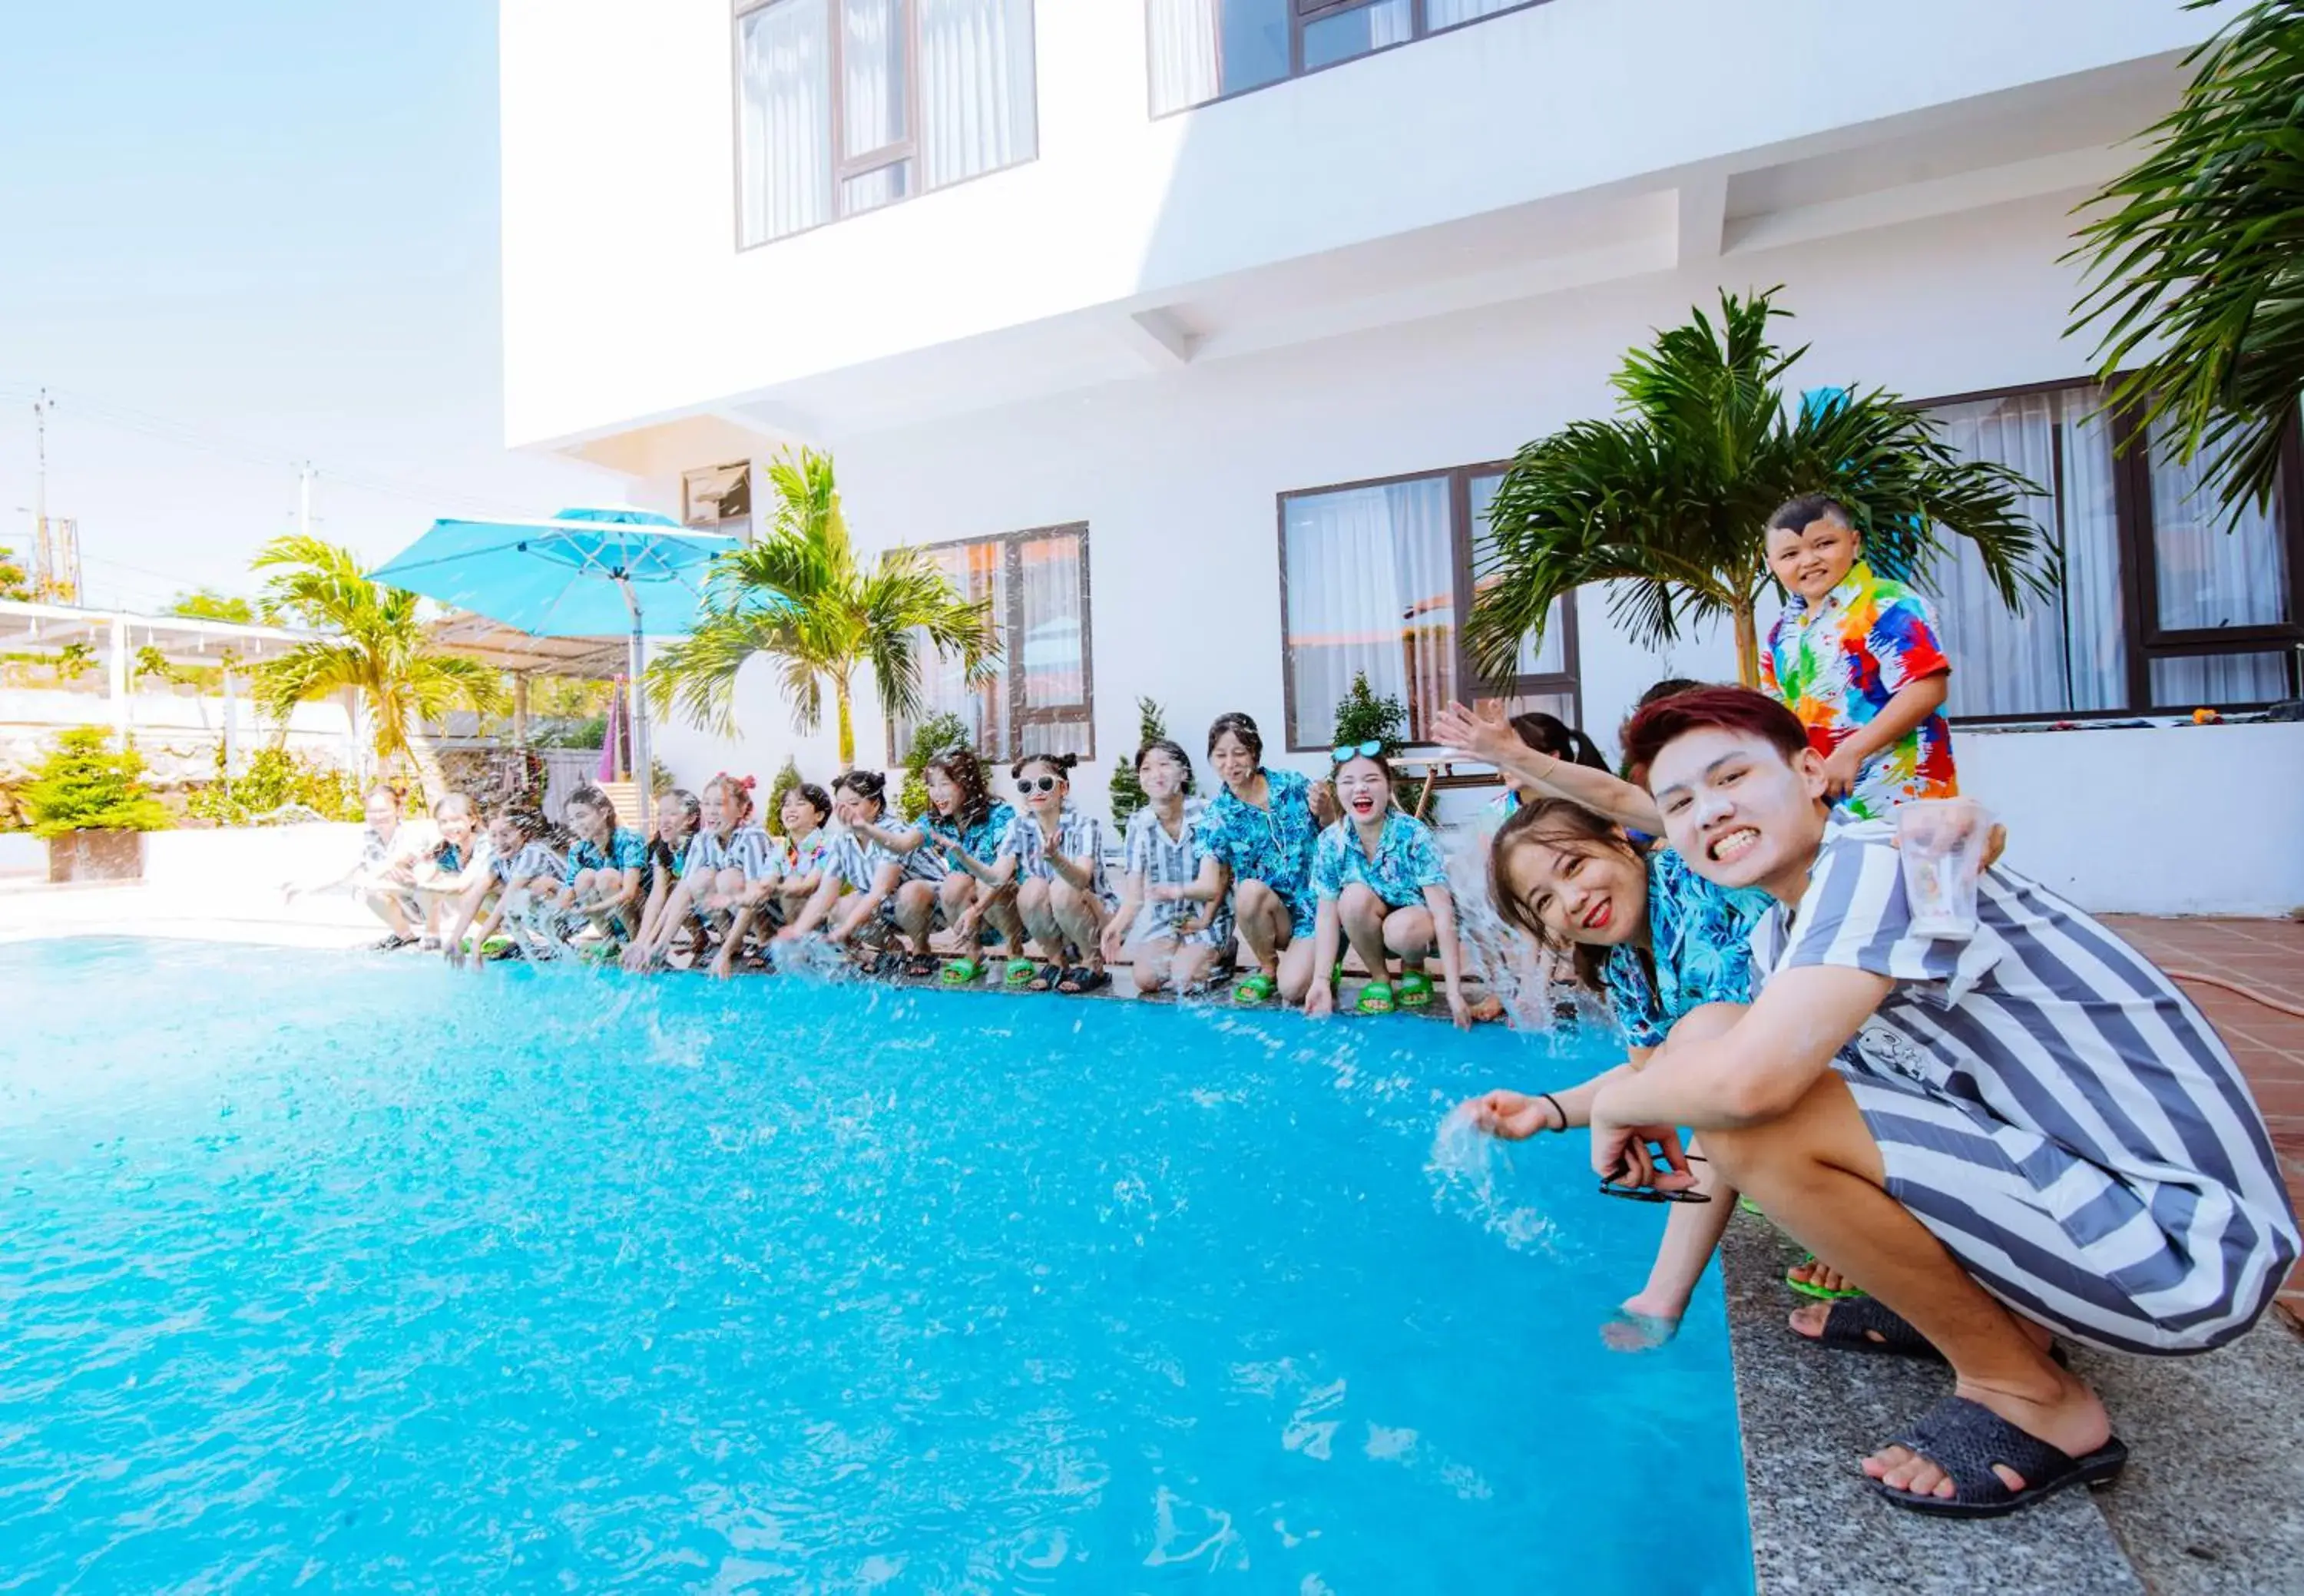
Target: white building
{"x":1192,"y":329}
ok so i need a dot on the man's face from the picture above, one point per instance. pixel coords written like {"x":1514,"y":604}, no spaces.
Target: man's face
{"x":383,"y":815}
{"x":1735,"y":809}
{"x":1812,"y":560}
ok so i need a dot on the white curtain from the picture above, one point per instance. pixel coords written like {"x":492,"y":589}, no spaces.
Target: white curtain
{"x":1549,"y":657}
{"x":2064,"y":653}
{"x":786,"y":69}
{"x":1447,"y":13}
{"x":1186,"y":66}
{"x":1371,"y":587}
{"x":2212,"y":679}
{"x":871,"y":74}
{"x":977,"y":108}
{"x":2210,"y":577}
{"x":978,"y":572}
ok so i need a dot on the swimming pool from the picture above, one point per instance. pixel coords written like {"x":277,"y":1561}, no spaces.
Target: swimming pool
{"x":357,"y":1272}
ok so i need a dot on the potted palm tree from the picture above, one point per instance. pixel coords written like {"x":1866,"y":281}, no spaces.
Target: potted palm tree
{"x":801,"y":595}
{"x":1670,"y":500}
{"x":373,"y":645}
{"x":91,"y":805}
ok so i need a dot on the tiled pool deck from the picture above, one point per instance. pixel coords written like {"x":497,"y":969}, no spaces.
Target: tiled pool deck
{"x":2209,"y":1505}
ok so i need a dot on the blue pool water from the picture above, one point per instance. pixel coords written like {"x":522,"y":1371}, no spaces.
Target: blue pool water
{"x":355,"y":1273}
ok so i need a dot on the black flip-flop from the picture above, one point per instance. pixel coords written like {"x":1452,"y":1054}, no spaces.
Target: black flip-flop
{"x":1853,"y":1321}
{"x":1083,"y":979}
{"x":922,"y":967}
{"x":1048,"y":979}
{"x":391,"y":944}
{"x":1965,"y":1438}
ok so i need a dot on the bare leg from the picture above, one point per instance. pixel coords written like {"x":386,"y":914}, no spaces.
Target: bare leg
{"x":1363,"y":913}
{"x":1150,"y":962}
{"x":386,"y":907}
{"x":1296,"y":970}
{"x":1263,"y":922}
{"x":1082,"y":917}
{"x":1817,"y":1171}
{"x":916,"y":905}
{"x":1408,"y":933}
{"x":1032,"y":908}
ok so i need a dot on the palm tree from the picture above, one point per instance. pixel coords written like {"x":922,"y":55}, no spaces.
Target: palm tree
{"x":376,"y":648}
{"x":1670,"y":501}
{"x":801,"y":595}
{"x":2201,"y":260}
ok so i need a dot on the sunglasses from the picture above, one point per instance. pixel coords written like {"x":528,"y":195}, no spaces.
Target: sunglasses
{"x":1036,"y":783}
{"x":1356,"y":750}
{"x":1609,"y":1187}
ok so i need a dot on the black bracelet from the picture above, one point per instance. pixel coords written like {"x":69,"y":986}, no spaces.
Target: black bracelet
{"x":1547,"y":1098}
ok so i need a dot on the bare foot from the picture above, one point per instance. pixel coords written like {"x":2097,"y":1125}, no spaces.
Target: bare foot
{"x":2062,"y":1413}
{"x":1822,"y":1276}
{"x":1489,"y":1007}
{"x":1644,"y":1323}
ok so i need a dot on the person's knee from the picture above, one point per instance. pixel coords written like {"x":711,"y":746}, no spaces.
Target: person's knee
{"x":1360,"y":907}
{"x":1295,"y":976}
{"x":1253,"y":898}
{"x":1408,"y":933}
{"x":1149,"y":971}
{"x":956,"y":892}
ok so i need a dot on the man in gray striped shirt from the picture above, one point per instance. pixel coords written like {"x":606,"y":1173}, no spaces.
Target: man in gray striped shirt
{"x":2020,"y":1132}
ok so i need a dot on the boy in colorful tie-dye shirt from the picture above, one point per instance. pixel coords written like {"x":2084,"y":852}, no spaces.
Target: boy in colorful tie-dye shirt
{"x":1855,"y":656}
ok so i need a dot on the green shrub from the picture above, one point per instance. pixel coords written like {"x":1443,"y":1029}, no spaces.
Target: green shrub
{"x":84,"y":785}
{"x":936,"y":734}
{"x":275,"y":778}
{"x":1364,"y":718}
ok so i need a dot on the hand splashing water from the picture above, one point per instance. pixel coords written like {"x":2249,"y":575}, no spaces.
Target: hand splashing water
{"x":1470,"y":1172}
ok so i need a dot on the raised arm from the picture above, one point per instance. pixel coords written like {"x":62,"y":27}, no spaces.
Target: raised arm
{"x":1486,"y":737}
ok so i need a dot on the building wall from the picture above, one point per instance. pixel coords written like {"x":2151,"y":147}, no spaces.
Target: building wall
{"x":619,"y":179}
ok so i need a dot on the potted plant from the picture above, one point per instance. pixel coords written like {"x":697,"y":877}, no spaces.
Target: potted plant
{"x":90,"y":804}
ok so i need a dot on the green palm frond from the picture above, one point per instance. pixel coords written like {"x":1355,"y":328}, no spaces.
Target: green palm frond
{"x":800,"y":596}
{"x":1670,"y":499}
{"x":2197,"y":263}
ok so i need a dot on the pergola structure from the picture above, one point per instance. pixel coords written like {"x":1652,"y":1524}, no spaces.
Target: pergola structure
{"x":50,"y":629}
{"x":521,"y":655}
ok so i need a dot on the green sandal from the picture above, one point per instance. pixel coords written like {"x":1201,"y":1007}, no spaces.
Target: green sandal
{"x":1415,"y":989}
{"x":1019,"y":973}
{"x":1257,"y":989}
{"x":1375,"y":998}
{"x":1845,"y":1293}
{"x":962,"y":971}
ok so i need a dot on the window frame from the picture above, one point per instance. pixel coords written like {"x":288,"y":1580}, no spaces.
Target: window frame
{"x":687,"y":512}
{"x":845,"y":166}
{"x":1300,"y":12}
{"x":1011,"y":625}
{"x":2139,"y":567}
{"x":1568,"y":683}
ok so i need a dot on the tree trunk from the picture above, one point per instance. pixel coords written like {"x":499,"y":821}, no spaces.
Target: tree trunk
{"x":1748,"y":643}
{"x":845,"y":723}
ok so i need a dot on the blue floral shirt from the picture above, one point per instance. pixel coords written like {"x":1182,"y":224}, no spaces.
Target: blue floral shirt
{"x":1273,"y":844}
{"x":1701,"y":937}
{"x":1407,"y":860}
{"x":627,"y":850}
{"x":981,"y":841}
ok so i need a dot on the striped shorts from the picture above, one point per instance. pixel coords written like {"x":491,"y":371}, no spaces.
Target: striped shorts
{"x":2105,"y":1258}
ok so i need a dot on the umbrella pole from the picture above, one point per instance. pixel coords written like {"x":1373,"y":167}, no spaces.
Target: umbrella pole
{"x":643,"y":773}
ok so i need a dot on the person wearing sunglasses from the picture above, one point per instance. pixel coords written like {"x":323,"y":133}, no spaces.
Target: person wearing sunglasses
{"x":1381,"y":886}
{"x":1053,"y":855}
{"x":1260,"y":826}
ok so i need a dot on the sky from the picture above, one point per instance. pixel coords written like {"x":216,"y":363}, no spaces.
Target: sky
{"x":242,"y":234}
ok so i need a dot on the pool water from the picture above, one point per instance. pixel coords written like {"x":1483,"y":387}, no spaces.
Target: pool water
{"x":356,"y":1272}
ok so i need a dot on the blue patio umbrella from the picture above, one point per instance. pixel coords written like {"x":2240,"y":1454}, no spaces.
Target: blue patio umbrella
{"x":583,"y":573}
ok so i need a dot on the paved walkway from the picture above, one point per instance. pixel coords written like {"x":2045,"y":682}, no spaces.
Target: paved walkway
{"x":2267,"y":955}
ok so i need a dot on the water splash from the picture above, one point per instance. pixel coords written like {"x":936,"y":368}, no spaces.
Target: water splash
{"x":1516,"y":971}
{"x":1472,"y":1176}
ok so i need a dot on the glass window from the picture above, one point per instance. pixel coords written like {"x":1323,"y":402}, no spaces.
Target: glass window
{"x":845,"y":105}
{"x":1202,"y":50}
{"x":718,"y":498}
{"x":1549,"y":658}
{"x":1038,"y":700}
{"x":1377,"y":581}
{"x":2141,"y":537}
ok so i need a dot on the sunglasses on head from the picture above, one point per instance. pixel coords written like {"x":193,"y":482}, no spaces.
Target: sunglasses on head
{"x":1356,"y":750}
{"x":1036,"y":783}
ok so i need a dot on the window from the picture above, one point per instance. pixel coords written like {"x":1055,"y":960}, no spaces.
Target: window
{"x":718,"y":498}
{"x":1203,"y":50}
{"x":1378,"y":578}
{"x":2160,"y":609}
{"x":845,"y":105}
{"x":1040,"y":699}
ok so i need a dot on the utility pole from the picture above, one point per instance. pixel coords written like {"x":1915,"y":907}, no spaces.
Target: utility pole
{"x":43,"y":563}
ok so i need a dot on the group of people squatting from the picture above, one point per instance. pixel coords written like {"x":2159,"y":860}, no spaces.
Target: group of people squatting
{"x":1993,"y":1137}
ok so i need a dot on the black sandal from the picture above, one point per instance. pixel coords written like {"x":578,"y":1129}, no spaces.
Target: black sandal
{"x":1854,"y":1322}
{"x":921,"y":966}
{"x":1083,"y":979}
{"x":1965,"y":1438}
{"x":1048,"y":979}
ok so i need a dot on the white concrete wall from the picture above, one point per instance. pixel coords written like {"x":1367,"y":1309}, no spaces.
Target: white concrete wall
{"x":1177,"y":481}
{"x":626,"y":297}
{"x":2176,"y":820}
